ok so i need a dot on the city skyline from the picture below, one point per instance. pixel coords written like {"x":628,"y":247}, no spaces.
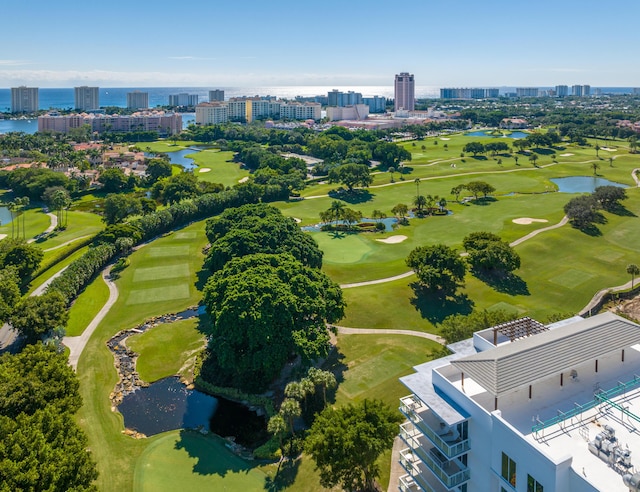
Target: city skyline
{"x":505,"y":44}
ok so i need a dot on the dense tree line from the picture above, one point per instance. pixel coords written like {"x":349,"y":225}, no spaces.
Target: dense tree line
{"x":584,"y":210}
{"x":41,"y":445}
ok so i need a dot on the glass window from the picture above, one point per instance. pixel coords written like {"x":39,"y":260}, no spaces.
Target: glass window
{"x":509,"y":470}
{"x":533,"y":485}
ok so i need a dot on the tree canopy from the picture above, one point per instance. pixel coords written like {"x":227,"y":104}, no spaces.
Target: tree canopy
{"x":460,"y":327}
{"x":488,"y":252}
{"x":351,"y":175}
{"x":265,"y":308}
{"x":438,"y":267}
{"x":258,"y":228}
{"x":41,"y":446}
{"x":346,"y":442}
{"x":36,"y":317}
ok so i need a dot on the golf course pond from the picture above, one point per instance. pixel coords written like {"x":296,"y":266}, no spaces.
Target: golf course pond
{"x":178,"y":157}
{"x":582,"y":184}
{"x":515,"y":135}
{"x":168,"y":405}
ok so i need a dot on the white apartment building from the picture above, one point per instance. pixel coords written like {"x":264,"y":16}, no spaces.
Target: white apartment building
{"x":300,"y":111}
{"x":137,"y":100}
{"x":24,"y":99}
{"x":212,"y":113}
{"x":86,"y":98}
{"x":529,"y":408}
{"x":183,"y":99}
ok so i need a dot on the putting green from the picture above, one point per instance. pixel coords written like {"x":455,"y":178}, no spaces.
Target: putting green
{"x":165,"y":251}
{"x":143,"y":296}
{"x":186,"y":460}
{"x":161,"y":272}
{"x":572,"y":278}
{"x":343,"y":248}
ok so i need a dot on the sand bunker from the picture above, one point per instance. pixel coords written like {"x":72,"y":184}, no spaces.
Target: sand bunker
{"x":2,"y":236}
{"x":608,"y":149}
{"x":204,"y":170}
{"x":444,"y":138}
{"x":527,"y":220}
{"x":297,"y":220}
{"x":566,"y":155}
{"x":392,"y":239}
{"x":243,"y":180}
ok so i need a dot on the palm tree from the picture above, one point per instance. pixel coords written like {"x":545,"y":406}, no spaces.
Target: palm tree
{"x":391,"y":170}
{"x":417,"y":182}
{"x":326,"y":379}
{"x":633,"y":270}
{"x":277,"y":427}
{"x":337,"y":210}
{"x":534,"y":158}
{"x":420,"y":202}
{"x":595,"y":166}
{"x":290,"y":409}
{"x":597,"y":150}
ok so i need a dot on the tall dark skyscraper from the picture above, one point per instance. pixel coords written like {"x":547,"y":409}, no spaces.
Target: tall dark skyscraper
{"x":405,"y":92}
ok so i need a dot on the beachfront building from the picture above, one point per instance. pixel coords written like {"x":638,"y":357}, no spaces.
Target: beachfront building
{"x":165,"y":123}
{"x":469,"y":93}
{"x":527,"y":92}
{"x":216,"y":95}
{"x":338,"y":98}
{"x":24,"y":99}
{"x":86,"y":98}
{"x":562,"y":90}
{"x":581,"y":90}
{"x":524,"y":407}
{"x":183,"y":99}
{"x":377,"y":104}
{"x":137,"y":100}
{"x":404,"y":92}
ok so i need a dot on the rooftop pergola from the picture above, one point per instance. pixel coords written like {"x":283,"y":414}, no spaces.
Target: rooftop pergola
{"x":519,"y":328}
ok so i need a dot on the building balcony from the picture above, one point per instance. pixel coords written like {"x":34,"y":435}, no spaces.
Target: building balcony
{"x":424,"y":477}
{"x":447,"y":440}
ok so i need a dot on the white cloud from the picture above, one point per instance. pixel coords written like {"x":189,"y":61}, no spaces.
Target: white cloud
{"x":12,"y":63}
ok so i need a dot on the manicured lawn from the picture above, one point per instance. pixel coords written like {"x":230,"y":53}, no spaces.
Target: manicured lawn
{"x":47,"y":274}
{"x":186,"y":460}
{"x":166,"y":348}
{"x":221,"y":167}
{"x":32,"y":223}
{"x":86,"y":306}
{"x":79,"y":224}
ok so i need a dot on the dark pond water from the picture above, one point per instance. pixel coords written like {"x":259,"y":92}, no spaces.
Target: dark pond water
{"x":168,"y":405}
{"x":582,"y":184}
{"x":515,"y":135}
{"x":388,"y":224}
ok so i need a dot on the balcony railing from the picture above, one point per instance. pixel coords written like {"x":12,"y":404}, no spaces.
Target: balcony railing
{"x":412,"y":408}
{"x":450,"y":472}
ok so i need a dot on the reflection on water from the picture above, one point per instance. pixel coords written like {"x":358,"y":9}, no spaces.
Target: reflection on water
{"x":582,"y":184}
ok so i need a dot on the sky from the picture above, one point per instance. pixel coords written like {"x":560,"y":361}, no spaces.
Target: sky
{"x":444,"y":43}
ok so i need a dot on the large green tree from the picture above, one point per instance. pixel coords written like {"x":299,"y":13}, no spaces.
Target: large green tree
{"x":23,"y":256}
{"x":264,"y":309}
{"x":439,"y":268}
{"x":9,"y":292}
{"x":118,"y":206}
{"x":113,"y":180}
{"x":351,"y":175}
{"x":488,"y":252}
{"x":41,"y":445}
{"x":346,"y":442}
{"x":460,"y":327}
{"x":36,"y":317}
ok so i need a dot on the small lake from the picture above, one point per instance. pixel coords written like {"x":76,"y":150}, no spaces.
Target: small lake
{"x":515,"y":135}
{"x":178,"y":157}
{"x":5,"y":216}
{"x":582,"y":184}
{"x":168,"y":405}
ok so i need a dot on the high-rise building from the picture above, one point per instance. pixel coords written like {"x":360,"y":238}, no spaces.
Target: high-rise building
{"x":340,"y":99}
{"x":527,"y":92}
{"x":404,"y":92}
{"x":183,"y":99}
{"x":212,"y":113}
{"x":377,"y":104}
{"x":87,"y":98}
{"x":216,"y":95}
{"x":581,"y":90}
{"x":137,"y":100}
{"x":524,"y":406}
{"x":469,"y":93}
{"x":562,"y":90}
{"x":24,"y":99}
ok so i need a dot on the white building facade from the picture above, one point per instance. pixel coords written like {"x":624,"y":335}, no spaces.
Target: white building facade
{"x":24,"y":99}
{"x":86,"y":98}
{"x":529,"y":408}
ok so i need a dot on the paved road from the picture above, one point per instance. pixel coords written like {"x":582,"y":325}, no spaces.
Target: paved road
{"x":52,"y":226}
{"x":379,"y":331}
{"x":76,"y":344}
